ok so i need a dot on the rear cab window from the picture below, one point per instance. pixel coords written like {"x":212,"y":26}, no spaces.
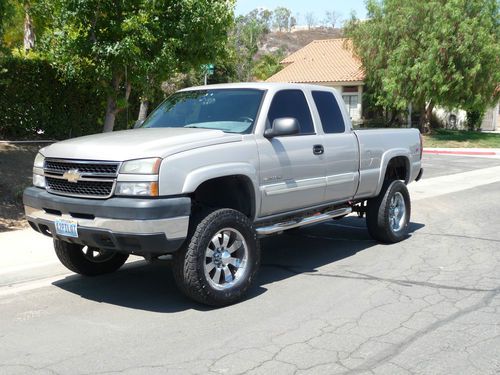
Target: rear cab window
{"x":329,"y":111}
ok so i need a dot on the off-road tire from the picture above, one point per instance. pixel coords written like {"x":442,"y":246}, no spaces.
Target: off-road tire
{"x":73,"y":258}
{"x":378,"y":211}
{"x":189,"y":261}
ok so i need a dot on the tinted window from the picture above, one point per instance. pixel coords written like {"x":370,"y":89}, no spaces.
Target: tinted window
{"x":291,"y":103}
{"x":229,"y":110}
{"x":329,"y":112}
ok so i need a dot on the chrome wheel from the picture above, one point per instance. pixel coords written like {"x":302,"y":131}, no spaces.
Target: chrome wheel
{"x":95,"y":255}
{"x":397,"y":212}
{"x":226,"y":258}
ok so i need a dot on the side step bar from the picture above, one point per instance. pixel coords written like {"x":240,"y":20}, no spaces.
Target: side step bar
{"x":280,"y":227}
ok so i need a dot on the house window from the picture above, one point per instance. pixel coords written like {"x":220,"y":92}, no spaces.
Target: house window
{"x":351,"y":102}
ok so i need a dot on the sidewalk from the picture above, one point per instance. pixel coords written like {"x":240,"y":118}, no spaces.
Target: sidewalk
{"x":26,"y":255}
{"x":477,"y":152}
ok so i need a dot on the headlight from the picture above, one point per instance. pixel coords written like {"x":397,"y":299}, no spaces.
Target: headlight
{"x":38,"y":177}
{"x":143,"y":189}
{"x":141,"y":166}
{"x":150,"y":166}
{"x":39,"y":161}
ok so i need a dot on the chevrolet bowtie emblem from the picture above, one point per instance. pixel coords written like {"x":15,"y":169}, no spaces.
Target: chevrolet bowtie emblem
{"x":72,"y":175}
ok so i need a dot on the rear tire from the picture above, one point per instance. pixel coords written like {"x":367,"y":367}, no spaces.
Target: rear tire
{"x":86,"y":260}
{"x":388,"y":215}
{"x":220,"y":259}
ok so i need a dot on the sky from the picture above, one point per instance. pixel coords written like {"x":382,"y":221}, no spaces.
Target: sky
{"x":301,"y":7}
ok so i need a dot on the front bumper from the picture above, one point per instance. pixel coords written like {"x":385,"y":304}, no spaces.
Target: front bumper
{"x":132,"y":225}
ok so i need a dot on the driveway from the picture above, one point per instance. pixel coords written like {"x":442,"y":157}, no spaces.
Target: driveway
{"x":328,"y":300}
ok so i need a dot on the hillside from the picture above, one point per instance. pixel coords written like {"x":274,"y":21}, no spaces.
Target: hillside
{"x":290,"y":42}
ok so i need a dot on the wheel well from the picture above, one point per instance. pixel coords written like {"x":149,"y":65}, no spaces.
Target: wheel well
{"x":234,"y":192}
{"x":397,"y":169}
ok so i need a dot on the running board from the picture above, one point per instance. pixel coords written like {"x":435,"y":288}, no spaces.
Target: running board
{"x":280,"y":227}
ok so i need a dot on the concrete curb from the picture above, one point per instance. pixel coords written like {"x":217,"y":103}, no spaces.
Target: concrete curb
{"x":22,"y":142}
{"x":463,"y":151}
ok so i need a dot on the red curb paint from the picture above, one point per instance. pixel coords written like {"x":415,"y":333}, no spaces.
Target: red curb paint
{"x":489,"y":153}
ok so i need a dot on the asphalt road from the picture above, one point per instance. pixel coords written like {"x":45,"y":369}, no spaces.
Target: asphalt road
{"x":328,"y":300}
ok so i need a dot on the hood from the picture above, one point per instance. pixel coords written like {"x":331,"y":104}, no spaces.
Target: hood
{"x":137,"y":143}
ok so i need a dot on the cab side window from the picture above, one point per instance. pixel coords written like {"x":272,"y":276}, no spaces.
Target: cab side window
{"x":329,"y":112}
{"x":291,"y":103}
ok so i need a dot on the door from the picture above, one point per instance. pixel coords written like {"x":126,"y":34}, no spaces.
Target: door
{"x":341,"y":149}
{"x":292,"y":170}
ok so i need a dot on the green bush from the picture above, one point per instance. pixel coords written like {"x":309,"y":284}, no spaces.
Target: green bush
{"x":36,"y":103}
{"x":474,"y":120}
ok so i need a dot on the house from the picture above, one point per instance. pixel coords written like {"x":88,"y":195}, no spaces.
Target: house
{"x":457,"y":118}
{"x":330,"y":63}
{"x":491,"y":119}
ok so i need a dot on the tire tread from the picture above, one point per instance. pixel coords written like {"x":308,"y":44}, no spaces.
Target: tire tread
{"x":186,"y":261}
{"x":377,"y":214}
{"x":72,"y":258}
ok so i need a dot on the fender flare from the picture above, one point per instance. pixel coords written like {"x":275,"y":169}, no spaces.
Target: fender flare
{"x":384,"y":162}
{"x":198,"y":176}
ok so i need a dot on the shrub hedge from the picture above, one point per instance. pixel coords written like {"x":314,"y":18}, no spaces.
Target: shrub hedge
{"x":36,"y":103}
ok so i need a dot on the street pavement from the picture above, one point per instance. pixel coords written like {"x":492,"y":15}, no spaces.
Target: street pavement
{"x":328,"y":300}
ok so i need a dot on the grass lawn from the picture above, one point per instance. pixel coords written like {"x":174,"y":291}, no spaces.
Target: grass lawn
{"x":456,"y":138}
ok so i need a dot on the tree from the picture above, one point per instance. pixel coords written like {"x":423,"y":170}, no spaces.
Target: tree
{"x":268,"y":65}
{"x":282,"y":18}
{"x":310,"y":20}
{"x":11,"y":16}
{"x":200,"y":40}
{"x":135,"y":44}
{"x":331,"y":18}
{"x":25,"y":23}
{"x":248,"y":32}
{"x":266,"y":16}
{"x":430,"y":53}
{"x":4,"y":12}
{"x":29,"y":28}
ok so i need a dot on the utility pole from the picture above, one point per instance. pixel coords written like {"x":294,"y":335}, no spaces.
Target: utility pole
{"x":409,"y":114}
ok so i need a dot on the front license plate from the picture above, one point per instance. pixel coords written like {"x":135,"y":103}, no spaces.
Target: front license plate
{"x":66,"y":228}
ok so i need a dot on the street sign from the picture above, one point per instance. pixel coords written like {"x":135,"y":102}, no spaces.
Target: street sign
{"x":209,"y":68}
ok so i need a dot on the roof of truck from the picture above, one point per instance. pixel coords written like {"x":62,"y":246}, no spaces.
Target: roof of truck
{"x":256,"y":85}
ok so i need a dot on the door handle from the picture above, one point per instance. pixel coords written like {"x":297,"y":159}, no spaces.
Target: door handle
{"x":318,"y":150}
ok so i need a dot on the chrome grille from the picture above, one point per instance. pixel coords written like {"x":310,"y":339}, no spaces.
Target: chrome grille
{"x":96,"y":179}
{"x":81,"y":188}
{"x":54,"y":166}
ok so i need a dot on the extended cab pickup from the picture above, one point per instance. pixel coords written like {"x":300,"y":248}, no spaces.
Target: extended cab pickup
{"x":212,"y":170}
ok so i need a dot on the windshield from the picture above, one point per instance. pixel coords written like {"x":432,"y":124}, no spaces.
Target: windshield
{"x":229,"y":110}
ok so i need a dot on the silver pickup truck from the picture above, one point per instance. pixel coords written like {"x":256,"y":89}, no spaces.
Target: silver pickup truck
{"x":212,"y":170}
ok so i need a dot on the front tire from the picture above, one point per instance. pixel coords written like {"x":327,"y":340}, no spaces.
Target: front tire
{"x":218,"y":264}
{"x":388,"y":214}
{"x":88,"y":261}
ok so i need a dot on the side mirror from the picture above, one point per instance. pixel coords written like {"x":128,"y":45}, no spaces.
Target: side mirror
{"x":282,"y":127}
{"x":138,"y":124}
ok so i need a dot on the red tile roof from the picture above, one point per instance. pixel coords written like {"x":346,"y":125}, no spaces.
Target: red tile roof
{"x":321,"y":61}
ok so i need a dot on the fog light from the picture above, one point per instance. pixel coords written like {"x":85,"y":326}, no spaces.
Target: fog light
{"x":39,"y":181}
